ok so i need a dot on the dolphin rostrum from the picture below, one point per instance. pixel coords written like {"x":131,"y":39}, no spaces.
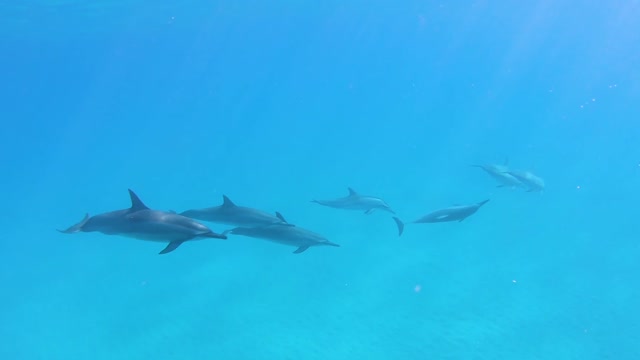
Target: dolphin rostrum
{"x":356,"y":201}
{"x":142,"y":223}
{"x":500,"y":173}
{"x":452,"y":213}
{"x":528,"y":179}
{"x":287,"y":235}
{"x":231,"y":214}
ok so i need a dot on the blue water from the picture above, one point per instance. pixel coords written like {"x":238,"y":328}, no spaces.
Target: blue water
{"x":277,"y":103}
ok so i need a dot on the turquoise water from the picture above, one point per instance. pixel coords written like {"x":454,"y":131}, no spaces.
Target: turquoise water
{"x":275,"y":104}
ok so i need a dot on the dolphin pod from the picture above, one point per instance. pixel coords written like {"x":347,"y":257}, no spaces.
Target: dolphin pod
{"x":500,"y":172}
{"x":143,"y":223}
{"x":513,"y":178}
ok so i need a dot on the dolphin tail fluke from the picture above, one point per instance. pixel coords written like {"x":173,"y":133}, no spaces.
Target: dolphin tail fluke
{"x":170,"y":247}
{"x":400,"y":225}
{"x":77,"y":227}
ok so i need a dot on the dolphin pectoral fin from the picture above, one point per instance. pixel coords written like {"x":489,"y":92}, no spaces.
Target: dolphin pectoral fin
{"x":400,"y":225}
{"x":213,"y":235}
{"x":77,"y":227}
{"x":369,"y":211}
{"x":301,"y":249}
{"x":171,"y":246}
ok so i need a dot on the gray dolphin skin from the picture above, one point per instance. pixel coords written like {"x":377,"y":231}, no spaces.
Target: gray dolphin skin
{"x":500,"y":174}
{"x":452,"y":213}
{"x":142,"y":223}
{"x":231,"y":214}
{"x":286,"y":235}
{"x":355,"y":201}
{"x":528,"y":179}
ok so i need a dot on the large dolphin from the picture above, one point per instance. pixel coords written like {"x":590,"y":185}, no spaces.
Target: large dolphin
{"x":140,"y":222}
{"x":500,"y":173}
{"x":231,"y":214}
{"x":355,"y":201}
{"x":452,"y":213}
{"x":528,"y":179}
{"x":287,"y":235}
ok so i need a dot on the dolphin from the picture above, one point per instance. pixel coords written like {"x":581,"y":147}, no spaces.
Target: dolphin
{"x":231,"y":214}
{"x":355,"y":201}
{"x":287,"y":235}
{"x":500,"y":173}
{"x":452,"y":213}
{"x":528,"y":179}
{"x":142,"y":223}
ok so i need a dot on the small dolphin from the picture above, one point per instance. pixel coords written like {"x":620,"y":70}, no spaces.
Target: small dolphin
{"x":140,"y":222}
{"x":355,"y":201}
{"x":528,"y":179}
{"x":453,"y":213}
{"x":231,"y":214}
{"x":500,"y":173}
{"x":287,"y":235}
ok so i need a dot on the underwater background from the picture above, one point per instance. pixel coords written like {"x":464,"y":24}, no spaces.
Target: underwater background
{"x":277,"y":103}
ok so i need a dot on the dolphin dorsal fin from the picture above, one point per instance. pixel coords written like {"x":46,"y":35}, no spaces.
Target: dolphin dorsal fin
{"x":136,"y":203}
{"x":226,"y":202}
{"x":279,"y":216}
{"x":352,"y":192}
